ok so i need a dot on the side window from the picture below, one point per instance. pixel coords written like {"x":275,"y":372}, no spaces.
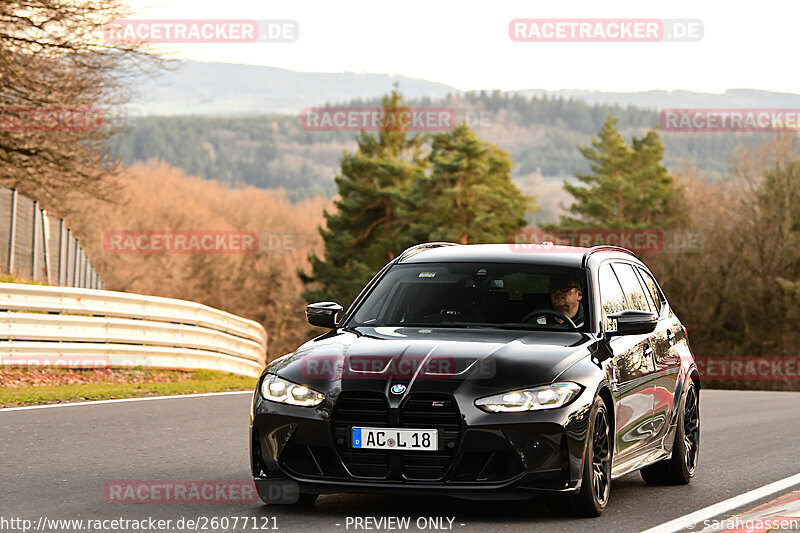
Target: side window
{"x":647,"y":294}
{"x":611,"y":296}
{"x":652,"y":288}
{"x":632,"y":287}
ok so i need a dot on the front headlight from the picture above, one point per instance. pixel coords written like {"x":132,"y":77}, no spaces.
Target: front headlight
{"x":279,"y":390}
{"x":548,"y":397}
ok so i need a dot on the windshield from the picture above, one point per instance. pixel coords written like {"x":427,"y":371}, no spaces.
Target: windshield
{"x":513,"y":296}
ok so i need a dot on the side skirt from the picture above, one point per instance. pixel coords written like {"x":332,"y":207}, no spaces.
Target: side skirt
{"x":645,"y":458}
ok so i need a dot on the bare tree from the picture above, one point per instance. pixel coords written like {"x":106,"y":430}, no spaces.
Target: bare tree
{"x":60,"y":83}
{"x":739,"y":294}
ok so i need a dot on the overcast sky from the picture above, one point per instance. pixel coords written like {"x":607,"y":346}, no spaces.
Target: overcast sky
{"x":465,"y":43}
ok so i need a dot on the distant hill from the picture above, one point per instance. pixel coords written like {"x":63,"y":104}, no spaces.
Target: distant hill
{"x":230,"y":89}
{"x":239,"y":124}
{"x":195,"y":88}
{"x":736,"y":98}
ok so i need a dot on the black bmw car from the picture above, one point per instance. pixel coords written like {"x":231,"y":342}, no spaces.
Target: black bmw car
{"x":485,"y":371}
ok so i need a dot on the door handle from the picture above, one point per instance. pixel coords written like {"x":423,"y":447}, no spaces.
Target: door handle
{"x":671,"y":337}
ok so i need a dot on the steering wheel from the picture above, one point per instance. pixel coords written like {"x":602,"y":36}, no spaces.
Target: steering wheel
{"x":530,"y":317}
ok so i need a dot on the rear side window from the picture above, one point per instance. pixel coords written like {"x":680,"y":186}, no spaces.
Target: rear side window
{"x":632,"y":287}
{"x":655,"y":307}
{"x":611,"y":296}
{"x":650,"y":283}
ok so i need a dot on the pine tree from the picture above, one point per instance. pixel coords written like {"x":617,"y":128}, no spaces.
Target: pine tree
{"x":629,"y":187}
{"x":468,"y":197}
{"x":392,"y":196}
{"x":362,"y":234}
{"x":656,"y":194}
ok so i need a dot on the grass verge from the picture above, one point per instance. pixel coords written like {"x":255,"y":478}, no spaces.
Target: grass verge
{"x":45,"y":386}
{"x":4,"y":278}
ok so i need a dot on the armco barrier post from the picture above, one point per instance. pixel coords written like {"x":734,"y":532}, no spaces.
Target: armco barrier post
{"x":76,"y":269}
{"x":46,"y":246}
{"x":70,"y":259}
{"x":62,"y":263}
{"x":35,"y":243}
{"x":82,"y":278}
{"x":49,"y":256}
{"x":12,"y":231}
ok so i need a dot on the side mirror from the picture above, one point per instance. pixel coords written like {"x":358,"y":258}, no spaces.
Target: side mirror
{"x":323,"y":314}
{"x":634,"y":322}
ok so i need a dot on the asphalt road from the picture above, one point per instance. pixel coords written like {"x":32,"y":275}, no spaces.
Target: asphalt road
{"x":55,"y":463}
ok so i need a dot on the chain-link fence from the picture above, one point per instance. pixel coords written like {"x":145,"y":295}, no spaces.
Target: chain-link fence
{"x":37,"y":247}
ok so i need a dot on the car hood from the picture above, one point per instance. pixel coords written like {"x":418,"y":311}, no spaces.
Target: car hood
{"x":433,"y":357}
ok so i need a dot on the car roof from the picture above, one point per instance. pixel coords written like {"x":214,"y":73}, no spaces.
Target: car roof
{"x":539,"y":254}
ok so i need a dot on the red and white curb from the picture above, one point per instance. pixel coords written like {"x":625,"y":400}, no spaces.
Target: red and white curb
{"x":703,"y":518}
{"x":781,"y":514}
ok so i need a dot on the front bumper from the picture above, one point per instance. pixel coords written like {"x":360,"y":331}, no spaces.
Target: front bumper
{"x":495,"y":455}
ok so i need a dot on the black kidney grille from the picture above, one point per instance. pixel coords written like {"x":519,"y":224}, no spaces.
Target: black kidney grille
{"x":431,"y":411}
{"x":361,"y":409}
{"x":435,"y":411}
{"x":423,"y":411}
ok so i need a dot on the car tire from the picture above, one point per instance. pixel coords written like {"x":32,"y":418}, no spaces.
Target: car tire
{"x":679,"y":469}
{"x":595,"y":490}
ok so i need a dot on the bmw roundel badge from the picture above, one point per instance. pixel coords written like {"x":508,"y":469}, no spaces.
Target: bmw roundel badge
{"x":398,"y":389}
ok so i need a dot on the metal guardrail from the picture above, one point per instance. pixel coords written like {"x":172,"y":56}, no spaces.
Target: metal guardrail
{"x":89,"y":328}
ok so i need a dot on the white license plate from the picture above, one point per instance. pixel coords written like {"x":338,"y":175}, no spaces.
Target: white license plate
{"x":395,"y":439}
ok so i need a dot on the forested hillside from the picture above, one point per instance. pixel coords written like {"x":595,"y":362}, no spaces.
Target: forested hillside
{"x":274,"y":151}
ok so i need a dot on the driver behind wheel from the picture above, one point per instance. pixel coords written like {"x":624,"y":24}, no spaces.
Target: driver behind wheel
{"x":565,"y":297}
